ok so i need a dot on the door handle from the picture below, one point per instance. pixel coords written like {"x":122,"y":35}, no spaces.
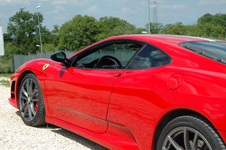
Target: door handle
{"x":117,"y":75}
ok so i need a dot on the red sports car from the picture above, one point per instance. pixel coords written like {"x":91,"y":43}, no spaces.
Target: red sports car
{"x":156,"y":92}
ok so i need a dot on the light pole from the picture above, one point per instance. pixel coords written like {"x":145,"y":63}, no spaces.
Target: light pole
{"x":39,"y":29}
{"x":149,"y":17}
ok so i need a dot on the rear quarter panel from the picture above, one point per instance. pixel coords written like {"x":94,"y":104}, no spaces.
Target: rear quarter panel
{"x":141,"y":98}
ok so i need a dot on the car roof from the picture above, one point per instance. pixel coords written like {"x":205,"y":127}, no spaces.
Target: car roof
{"x":163,"y":38}
{"x":155,"y":39}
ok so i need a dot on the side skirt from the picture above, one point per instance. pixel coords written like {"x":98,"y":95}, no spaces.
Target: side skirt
{"x":112,"y":138}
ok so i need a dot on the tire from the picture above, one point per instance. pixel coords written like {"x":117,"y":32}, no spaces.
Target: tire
{"x":189,"y":133}
{"x":30,"y":101}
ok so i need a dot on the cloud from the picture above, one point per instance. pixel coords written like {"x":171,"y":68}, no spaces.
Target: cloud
{"x":120,"y":2}
{"x":71,"y":2}
{"x":59,"y":2}
{"x":126,"y":10}
{"x":60,"y":8}
{"x":47,"y":12}
{"x":62,"y":17}
{"x":41,"y":0}
{"x":144,"y":3}
{"x":54,"y":12}
{"x":215,"y":2}
{"x":175,"y":6}
{"x":178,"y":6}
{"x":13,"y":2}
{"x":93,"y":9}
{"x":3,"y":15}
{"x":162,"y":5}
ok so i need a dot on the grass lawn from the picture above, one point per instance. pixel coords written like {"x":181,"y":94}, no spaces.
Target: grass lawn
{"x":3,"y":81}
{"x":7,"y":75}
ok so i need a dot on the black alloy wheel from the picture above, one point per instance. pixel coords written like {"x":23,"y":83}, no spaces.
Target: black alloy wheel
{"x":189,"y":133}
{"x":30,"y":99}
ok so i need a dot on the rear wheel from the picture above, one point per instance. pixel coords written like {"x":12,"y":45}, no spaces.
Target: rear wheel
{"x":189,"y":133}
{"x":31,"y":104}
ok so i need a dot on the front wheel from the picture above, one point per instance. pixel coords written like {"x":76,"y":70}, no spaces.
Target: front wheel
{"x":30,"y":99}
{"x":189,"y":133}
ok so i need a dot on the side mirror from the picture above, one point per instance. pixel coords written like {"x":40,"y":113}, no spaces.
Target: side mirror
{"x":60,"y":57}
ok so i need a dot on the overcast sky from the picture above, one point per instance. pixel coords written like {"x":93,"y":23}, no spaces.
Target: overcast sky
{"x":57,"y":12}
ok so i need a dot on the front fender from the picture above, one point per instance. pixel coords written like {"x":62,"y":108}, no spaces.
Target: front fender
{"x":39,"y":68}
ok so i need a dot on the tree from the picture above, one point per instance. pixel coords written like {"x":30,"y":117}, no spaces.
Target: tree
{"x":55,"y":36}
{"x":177,"y":29}
{"x":140,"y":30}
{"x":113,"y":26}
{"x":207,"y":18}
{"x":78,"y":33}
{"x":217,"y":22}
{"x":83,"y":31}
{"x":7,"y":38}
{"x":109,"y":23}
{"x":23,"y":27}
{"x":49,"y":47}
{"x":122,"y":30}
{"x":155,"y":28}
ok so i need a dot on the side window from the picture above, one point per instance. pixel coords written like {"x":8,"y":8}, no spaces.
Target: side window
{"x":149,"y":57}
{"x":113,"y":56}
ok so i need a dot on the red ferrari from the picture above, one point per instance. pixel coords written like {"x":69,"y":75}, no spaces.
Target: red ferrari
{"x":156,"y":92}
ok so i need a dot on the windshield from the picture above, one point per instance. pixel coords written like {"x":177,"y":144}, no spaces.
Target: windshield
{"x":214,"y":50}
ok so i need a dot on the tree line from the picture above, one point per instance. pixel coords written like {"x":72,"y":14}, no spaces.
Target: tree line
{"x":81,"y":31}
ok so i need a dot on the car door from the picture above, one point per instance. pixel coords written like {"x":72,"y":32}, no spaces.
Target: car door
{"x":80,"y":94}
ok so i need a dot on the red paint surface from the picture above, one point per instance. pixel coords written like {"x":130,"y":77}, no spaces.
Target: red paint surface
{"x":125,"y":112}
{"x":80,"y":96}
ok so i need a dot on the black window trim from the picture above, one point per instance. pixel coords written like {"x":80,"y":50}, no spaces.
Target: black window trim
{"x":121,"y":40}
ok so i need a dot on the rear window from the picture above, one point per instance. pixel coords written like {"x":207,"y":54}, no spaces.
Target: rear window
{"x":213,"y":50}
{"x":149,"y":57}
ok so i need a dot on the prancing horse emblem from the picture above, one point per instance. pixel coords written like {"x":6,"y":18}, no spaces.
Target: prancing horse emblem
{"x":45,"y":66}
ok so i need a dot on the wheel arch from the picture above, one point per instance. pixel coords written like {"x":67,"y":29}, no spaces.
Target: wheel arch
{"x":20,"y":80}
{"x":38,"y":118}
{"x":177,"y":113}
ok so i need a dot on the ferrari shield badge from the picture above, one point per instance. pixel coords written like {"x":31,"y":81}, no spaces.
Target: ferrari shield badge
{"x":45,"y":66}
